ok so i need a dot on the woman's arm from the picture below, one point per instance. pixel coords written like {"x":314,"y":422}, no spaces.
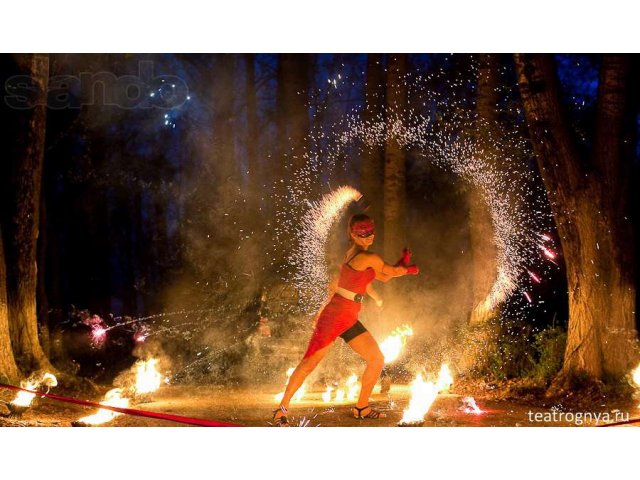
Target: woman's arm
{"x":385,"y":270}
{"x":373,"y":294}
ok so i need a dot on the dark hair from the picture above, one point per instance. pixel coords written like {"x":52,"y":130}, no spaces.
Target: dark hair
{"x":357,"y":218}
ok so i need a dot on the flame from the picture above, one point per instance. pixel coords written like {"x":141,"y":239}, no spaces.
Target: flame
{"x":470,"y":406}
{"x":424,"y":393}
{"x":636,"y":377}
{"x":113,"y":398}
{"x":148,"y":379}
{"x":445,"y":379}
{"x":352,"y":387}
{"x":348,"y":392}
{"x":392,"y":345}
{"x":298,"y":395}
{"x":326,"y":396}
{"x":24,"y":399}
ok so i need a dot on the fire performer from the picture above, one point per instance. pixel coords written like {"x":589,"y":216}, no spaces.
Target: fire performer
{"x":339,"y":317}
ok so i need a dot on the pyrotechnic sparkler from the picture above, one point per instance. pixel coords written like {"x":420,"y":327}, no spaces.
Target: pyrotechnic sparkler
{"x":311,"y":277}
{"x":436,"y":129}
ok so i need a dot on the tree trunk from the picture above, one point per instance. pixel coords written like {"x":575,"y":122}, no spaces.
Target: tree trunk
{"x":395,"y":157}
{"x":601,"y":331}
{"x":292,"y":110}
{"x":255,"y":179}
{"x":481,"y":229}
{"x":372,"y":169}
{"x":8,"y":368}
{"x":22,"y":234}
{"x":223,"y":91}
{"x":41,"y":293}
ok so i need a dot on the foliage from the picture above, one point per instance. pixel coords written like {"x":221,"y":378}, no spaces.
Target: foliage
{"x":503,"y":349}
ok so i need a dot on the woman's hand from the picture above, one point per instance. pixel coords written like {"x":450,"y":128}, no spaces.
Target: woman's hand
{"x":405,"y":259}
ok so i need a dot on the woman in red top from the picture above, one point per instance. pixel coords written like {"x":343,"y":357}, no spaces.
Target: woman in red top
{"x":339,"y":318}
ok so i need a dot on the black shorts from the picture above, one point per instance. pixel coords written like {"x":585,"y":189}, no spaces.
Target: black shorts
{"x":353,"y":332}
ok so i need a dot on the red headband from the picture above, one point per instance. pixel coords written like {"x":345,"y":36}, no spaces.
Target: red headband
{"x":363,"y":227}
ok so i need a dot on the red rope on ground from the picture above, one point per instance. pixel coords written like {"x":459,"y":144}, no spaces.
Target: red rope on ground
{"x":129,"y":411}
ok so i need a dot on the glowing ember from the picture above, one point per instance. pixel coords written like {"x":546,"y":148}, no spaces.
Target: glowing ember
{"x":24,"y":399}
{"x":528,"y":297}
{"x":113,"y":398}
{"x":423,"y":394}
{"x":148,"y":379}
{"x":470,"y":406}
{"x":392,"y":345}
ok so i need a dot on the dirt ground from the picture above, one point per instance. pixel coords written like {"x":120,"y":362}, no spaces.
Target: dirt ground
{"x":250,"y":408}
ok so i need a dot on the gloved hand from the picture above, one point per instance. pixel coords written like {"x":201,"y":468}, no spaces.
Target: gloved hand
{"x":413,"y":270}
{"x":405,"y":259}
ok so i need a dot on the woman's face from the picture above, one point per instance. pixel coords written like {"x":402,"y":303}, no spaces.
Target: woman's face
{"x":363,"y":241}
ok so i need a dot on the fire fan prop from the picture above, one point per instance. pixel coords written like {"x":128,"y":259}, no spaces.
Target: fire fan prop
{"x":393,"y":344}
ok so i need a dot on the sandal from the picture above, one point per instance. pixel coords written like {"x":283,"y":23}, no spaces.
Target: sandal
{"x":282,"y":420}
{"x":373,"y":413}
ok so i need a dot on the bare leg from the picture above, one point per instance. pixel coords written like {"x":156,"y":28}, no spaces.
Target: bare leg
{"x":367,"y":347}
{"x":300,"y":374}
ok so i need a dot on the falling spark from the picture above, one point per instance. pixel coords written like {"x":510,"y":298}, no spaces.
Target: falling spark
{"x":548,"y":253}
{"x":528,"y":297}
{"x":533,"y":276}
{"x":545,"y":237}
